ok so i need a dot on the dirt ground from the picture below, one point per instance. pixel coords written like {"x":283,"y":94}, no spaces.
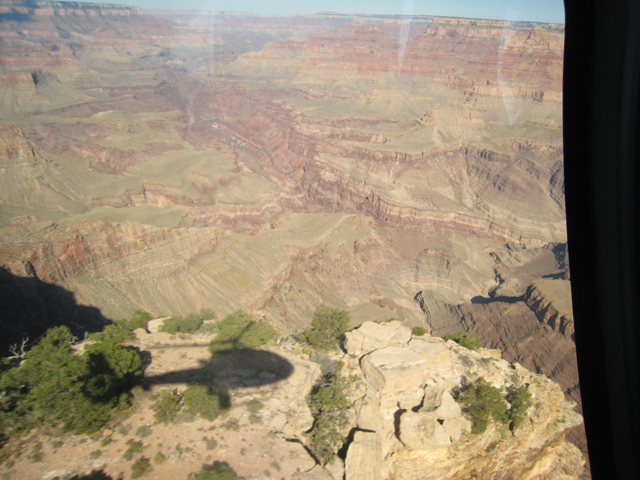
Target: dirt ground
{"x":248,"y":442}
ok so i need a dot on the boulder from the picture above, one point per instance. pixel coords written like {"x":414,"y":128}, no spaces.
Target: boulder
{"x":373,"y":336}
{"x":438,"y":356}
{"x":303,"y":460}
{"x":316,"y":473}
{"x":368,"y":414}
{"x":440,"y":403}
{"x":456,"y":426}
{"x":364,"y":457}
{"x":154,"y":325}
{"x":422,"y":431}
{"x":396,"y":369}
{"x":140,"y":333}
{"x":335,"y":468}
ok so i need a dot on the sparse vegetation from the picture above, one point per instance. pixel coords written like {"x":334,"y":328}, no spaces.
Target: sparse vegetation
{"x":328,"y":405}
{"x":140,"y":467}
{"x":419,"y":331}
{"x":189,"y":324}
{"x":167,"y":406}
{"x":482,"y":401}
{"x":327,"y":328}
{"x":238,"y":330}
{"x":217,"y":471}
{"x":204,"y":400}
{"x":55,"y":387}
{"x":212,"y":443}
{"x":123,"y":329}
{"x":232,"y":424}
{"x":159,"y":458}
{"x":464,"y":339}
{"x":519,"y":399}
{"x":144,"y":431}
{"x":36,"y":452}
{"x":106,"y":441}
{"x":254,"y":405}
{"x":134,"y":447}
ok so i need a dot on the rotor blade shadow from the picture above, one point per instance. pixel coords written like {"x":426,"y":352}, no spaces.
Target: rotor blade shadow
{"x":232,"y":369}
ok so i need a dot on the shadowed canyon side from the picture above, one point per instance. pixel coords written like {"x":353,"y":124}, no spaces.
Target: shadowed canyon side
{"x":172,"y":161}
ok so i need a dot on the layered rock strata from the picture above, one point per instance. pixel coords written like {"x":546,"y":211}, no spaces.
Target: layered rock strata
{"x":409,"y":419}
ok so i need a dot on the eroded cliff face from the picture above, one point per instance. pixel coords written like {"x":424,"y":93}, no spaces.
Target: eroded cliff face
{"x":170,"y":163}
{"x":411,"y":428}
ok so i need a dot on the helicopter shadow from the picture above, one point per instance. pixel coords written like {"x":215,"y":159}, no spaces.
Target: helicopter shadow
{"x":233,"y":367}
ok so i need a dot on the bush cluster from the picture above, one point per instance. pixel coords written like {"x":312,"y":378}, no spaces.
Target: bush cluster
{"x":464,"y":339}
{"x":167,"y":406}
{"x":123,"y":329}
{"x":217,"y":471}
{"x":419,"y":331}
{"x":482,"y":402}
{"x":519,"y":399}
{"x":189,"y":324}
{"x":205,"y":400}
{"x":327,"y":328}
{"x":140,"y":467}
{"x":238,"y":330}
{"x":328,"y":404}
{"x":56,"y":387}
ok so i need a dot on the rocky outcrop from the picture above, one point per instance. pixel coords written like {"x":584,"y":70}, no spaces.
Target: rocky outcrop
{"x":416,"y":427}
{"x":550,"y":300}
{"x":61,"y":9}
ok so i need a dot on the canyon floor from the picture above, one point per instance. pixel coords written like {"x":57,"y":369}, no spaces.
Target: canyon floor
{"x":172,"y":161}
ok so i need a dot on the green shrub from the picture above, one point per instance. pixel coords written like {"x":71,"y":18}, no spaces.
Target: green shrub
{"x":123,"y":329}
{"x":106,"y":441}
{"x":482,"y":401}
{"x":140,"y":467}
{"x":116,"y":333}
{"x":114,"y":370}
{"x":239,"y":330}
{"x":328,"y":405}
{"x":254,"y":405}
{"x":212,"y":443}
{"x":139,"y":319}
{"x":204,"y":400}
{"x":36,"y":453}
{"x":419,"y":331}
{"x":464,"y":339}
{"x":144,"y":431}
{"x":159,"y":458}
{"x":327,"y":327}
{"x":189,"y":324}
{"x":55,"y":387}
{"x":519,"y":399}
{"x":208,"y":314}
{"x":167,"y":406}
{"x":134,"y":447}
{"x":217,"y":471}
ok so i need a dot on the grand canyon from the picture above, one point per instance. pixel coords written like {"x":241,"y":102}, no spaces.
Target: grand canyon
{"x":406,"y":168}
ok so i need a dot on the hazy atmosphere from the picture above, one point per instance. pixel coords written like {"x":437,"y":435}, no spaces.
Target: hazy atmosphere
{"x":548,"y":11}
{"x":328,"y":246}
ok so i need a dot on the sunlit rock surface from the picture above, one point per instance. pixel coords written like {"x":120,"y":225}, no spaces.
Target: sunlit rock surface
{"x":424,"y":433}
{"x":170,"y":161}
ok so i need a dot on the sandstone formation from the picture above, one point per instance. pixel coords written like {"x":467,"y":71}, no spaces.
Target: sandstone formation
{"x":413,"y":423}
{"x":174,"y":161}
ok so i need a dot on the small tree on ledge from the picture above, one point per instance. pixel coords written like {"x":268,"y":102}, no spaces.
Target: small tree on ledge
{"x":327,"y":327}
